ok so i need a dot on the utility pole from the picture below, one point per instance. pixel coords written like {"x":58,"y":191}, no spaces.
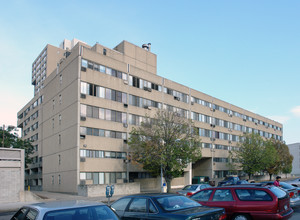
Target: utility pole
{"x":3,"y":128}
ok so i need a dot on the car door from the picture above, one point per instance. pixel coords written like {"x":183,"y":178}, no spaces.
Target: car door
{"x":203,"y":196}
{"x":222,"y":198}
{"x":137,"y":209}
{"x":120,"y":206}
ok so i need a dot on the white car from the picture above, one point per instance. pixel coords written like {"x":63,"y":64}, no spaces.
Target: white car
{"x":65,"y":210}
{"x":295,"y":182}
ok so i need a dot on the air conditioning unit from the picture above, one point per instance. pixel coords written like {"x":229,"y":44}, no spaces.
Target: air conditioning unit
{"x":229,"y":142}
{"x":192,"y":103}
{"x":125,"y":82}
{"x":82,"y":136}
{"x":125,"y":105}
{"x":147,"y":89}
{"x":146,"y":106}
{"x":176,"y":98}
{"x":82,"y":159}
{"x":125,"y":141}
{"x":83,"y":69}
{"x":125,"y":125}
{"x":212,"y":139}
{"x":244,"y":119}
{"x":82,"y":95}
{"x":82,"y":182}
{"x":82,"y":118}
{"x":212,"y":125}
{"x":230,"y":115}
{"x":255,"y":123}
{"x":229,"y":129}
{"x":212,"y":109}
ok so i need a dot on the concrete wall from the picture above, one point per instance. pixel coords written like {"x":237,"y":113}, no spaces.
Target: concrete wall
{"x":153,"y":184}
{"x":295,"y":151}
{"x":11,"y":174}
{"x":99,"y":190}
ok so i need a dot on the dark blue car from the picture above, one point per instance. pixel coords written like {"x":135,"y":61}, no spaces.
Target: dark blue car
{"x":164,"y":206}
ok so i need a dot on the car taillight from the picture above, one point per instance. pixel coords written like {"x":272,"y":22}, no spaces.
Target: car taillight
{"x":292,"y":194}
{"x":189,"y":194}
{"x":298,"y":192}
{"x":223,"y":217}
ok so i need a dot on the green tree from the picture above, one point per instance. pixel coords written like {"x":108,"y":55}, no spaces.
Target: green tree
{"x":271,"y":158}
{"x":285,"y":158}
{"x":165,"y":143}
{"x":232,"y":163}
{"x":250,"y":153}
{"x":13,"y":141}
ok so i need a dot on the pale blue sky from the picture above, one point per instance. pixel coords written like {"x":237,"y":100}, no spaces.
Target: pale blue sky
{"x":243,"y":52}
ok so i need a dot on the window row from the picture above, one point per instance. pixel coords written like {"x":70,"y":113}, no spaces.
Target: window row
{"x":103,"y":178}
{"x":181,"y":112}
{"x":101,"y":92}
{"x":142,"y":102}
{"x":32,"y":106}
{"x":102,"y":154}
{"x":102,"y":133}
{"x":215,"y":134}
{"x":143,"y":84}
{"x":103,"y":69}
{"x":177,"y":95}
{"x":230,"y":112}
{"x":220,"y":160}
{"x":101,"y":113}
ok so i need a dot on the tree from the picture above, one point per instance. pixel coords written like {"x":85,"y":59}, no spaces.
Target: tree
{"x":250,"y":153}
{"x":232,"y":163}
{"x":12,"y":141}
{"x":285,"y":158}
{"x":271,"y":158}
{"x":165,"y":143}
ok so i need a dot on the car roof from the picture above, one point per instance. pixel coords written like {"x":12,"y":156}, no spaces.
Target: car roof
{"x":157,"y":195}
{"x":58,"y":205}
{"x":250,"y":185}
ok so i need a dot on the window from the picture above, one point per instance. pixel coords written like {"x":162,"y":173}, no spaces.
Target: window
{"x":222,"y":195}
{"x":59,"y":179}
{"x":53,"y":104}
{"x":60,"y":79}
{"x":52,"y":180}
{"x":202,"y":196}
{"x":60,"y":99}
{"x":253,"y":195}
{"x":138,"y":205}
{"x":104,"y":51}
{"x":152,"y":208}
{"x":59,"y":159}
{"x":121,"y":204}
{"x":59,"y":139}
{"x":59,"y":119}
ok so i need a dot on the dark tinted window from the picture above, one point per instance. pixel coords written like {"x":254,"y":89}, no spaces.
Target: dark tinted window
{"x":121,"y":204}
{"x":253,"y":195}
{"x":20,"y":214}
{"x":152,"y":208}
{"x":222,"y":195}
{"x":138,"y":205}
{"x":89,"y":213}
{"x":176,"y":202}
{"x":202,"y":196}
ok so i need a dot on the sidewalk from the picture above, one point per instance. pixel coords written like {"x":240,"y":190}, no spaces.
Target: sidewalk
{"x":44,"y":196}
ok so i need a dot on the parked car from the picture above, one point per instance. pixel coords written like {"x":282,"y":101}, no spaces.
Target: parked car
{"x":164,"y":206}
{"x":245,"y":202}
{"x":230,"y":180}
{"x":291,"y":190}
{"x":65,"y":210}
{"x":295,"y":182}
{"x":189,"y":190}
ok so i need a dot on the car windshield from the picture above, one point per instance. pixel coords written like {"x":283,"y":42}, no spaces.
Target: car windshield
{"x":278,"y":192}
{"x":190,"y":187}
{"x":172,"y":203}
{"x":92,"y":213}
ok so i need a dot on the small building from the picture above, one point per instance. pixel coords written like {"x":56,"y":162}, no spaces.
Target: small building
{"x":11,"y":174}
{"x":295,"y":151}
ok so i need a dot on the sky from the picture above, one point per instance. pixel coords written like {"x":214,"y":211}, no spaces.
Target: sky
{"x":243,"y":52}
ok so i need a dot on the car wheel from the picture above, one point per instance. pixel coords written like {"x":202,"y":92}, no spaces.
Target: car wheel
{"x":241,"y":217}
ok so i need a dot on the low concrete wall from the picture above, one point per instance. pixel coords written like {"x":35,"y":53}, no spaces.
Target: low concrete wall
{"x":153,"y":184}
{"x":99,"y":190}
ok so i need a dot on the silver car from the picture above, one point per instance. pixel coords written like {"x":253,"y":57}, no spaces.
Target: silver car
{"x":189,"y":190}
{"x":295,"y":182}
{"x":66,"y":210}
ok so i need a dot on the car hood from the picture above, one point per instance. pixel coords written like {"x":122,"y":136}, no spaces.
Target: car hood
{"x":199,"y":211}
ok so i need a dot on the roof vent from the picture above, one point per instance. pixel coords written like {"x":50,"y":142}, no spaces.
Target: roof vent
{"x":147,"y":46}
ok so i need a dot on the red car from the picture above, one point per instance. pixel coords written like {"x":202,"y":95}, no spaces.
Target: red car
{"x":245,"y":202}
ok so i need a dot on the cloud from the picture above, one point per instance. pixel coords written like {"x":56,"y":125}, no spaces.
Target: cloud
{"x":296,"y":111}
{"x":279,"y":118}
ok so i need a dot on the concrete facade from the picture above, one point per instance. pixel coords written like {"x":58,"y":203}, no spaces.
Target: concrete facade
{"x":295,"y":151}
{"x":11,"y":174}
{"x":93,"y":98}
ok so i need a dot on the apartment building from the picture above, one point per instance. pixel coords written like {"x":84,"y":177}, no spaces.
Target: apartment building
{"x":90,"y":98}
